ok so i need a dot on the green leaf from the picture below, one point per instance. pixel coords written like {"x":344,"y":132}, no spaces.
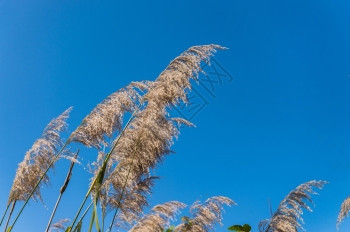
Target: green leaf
{"x":96,"y":216}
{"x":92,"y":220}
{"x":9,"y":229}
{"x":170,"y":229}
{"x":246,"y":228}
{"x":69,"y":228}
{"x":97,"y":184}
{"x":78,"y":227}
{"x":238,"y":228}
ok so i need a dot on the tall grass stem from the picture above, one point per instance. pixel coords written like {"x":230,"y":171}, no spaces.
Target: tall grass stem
{"x":85,"y":212}
{"x":3,"y":216}
{"x":9,"y":217}
{"x":62,"y":190}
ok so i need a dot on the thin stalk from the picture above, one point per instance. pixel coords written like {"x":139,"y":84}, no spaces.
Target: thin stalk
{"x":82,"y":217}
{"x":103,"y":167}
{"x":7,"y":208}
{"x":62,"y":190}
{"x":53,"y":213}
{"x":85,"y":212}
{"x":80,"y":208}
{"x":99,"y":178}
{"x":8,"y":219}
{"x":37,"y":184}
{"x":121,"y":195}
{"x":83,"y":203}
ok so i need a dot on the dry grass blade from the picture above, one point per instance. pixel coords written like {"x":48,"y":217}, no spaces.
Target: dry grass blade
{"x":288,"y":218}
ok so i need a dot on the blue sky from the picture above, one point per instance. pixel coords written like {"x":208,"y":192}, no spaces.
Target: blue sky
{"x":282,"y":121}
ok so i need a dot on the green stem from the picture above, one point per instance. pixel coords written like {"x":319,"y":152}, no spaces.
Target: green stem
{"x":8,"y":219}
{"x":85,"y":212}
{"x":98,"y":184}
{"x":77,"y":214}
{"x":85,"y":198}
{"x":37,"y":184}
{"x":103,"y":167}
{"x":7,"y":208}
{"x":53,"y":213}
{"x":82,"y":217}
{"x":62,"y":190}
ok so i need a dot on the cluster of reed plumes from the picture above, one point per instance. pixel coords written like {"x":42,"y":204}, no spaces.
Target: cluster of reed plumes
{"x":122,"y":177}
{"x":203,"y":216}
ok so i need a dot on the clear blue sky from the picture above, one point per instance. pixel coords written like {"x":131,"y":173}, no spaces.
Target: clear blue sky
{"x":282,"y":121}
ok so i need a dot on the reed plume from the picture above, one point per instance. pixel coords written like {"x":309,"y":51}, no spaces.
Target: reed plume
{"x":107,"y":117}
{"x":148,"y":134}
{"x":172,"y":84}
{"x":59,"y":225}
{"x":204,"y":215}
{"x":344,"y":211}
{"x":287,"y":217}
{"x":159,"y":218}
{"x":37,"y":160}
{"x":149,"y":137}
{"x":127,"y":192}
{"x":130,"y":200}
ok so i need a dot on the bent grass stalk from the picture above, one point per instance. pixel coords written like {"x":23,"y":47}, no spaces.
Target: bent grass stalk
{"x":62,"y":190}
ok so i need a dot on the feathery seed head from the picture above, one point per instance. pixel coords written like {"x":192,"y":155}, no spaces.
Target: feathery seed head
{"x":59,"y":225}
{"x":149,"y":136}
{"x":159,"y":218}
{"x":132,"y":201}
{"x":205,"y":215}
{"x":37,"y":160}
{"x":287,"y":218}
{"x":171,"y":85}
{"x":344,"y":211}
{"x":107,"y":117}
